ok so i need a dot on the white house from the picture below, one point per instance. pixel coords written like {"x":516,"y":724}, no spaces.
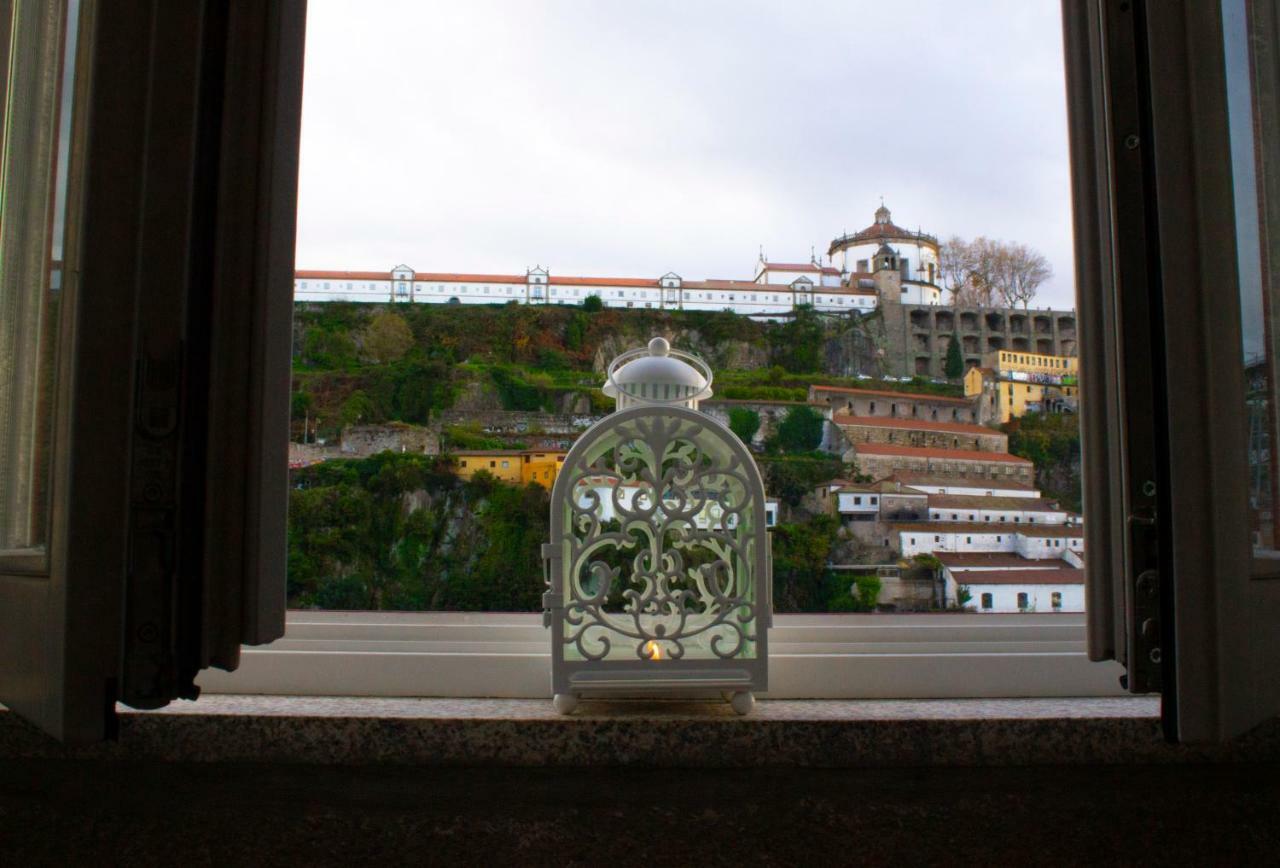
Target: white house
{"x":1011,"y":583}
{"x":1037,"y":543}
{"x":996,"y":510}
{"x":973,"y":487}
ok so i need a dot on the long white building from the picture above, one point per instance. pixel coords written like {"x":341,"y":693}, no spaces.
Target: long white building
{"x":865,"y":259}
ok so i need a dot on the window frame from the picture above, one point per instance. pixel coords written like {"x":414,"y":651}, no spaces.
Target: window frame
{"x":821,"y":656}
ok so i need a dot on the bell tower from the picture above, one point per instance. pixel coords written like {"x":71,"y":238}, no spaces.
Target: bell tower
{"x":887,"y":275}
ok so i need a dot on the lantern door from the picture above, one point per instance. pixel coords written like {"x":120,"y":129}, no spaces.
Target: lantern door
{"x":658,"y":566}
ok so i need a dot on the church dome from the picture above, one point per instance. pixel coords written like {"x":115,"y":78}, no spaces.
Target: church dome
{"x":658,"y":375}
{"x":881,"y":231}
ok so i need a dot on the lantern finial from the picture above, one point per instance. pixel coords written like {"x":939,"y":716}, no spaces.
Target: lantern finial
{"x":659,"y":347}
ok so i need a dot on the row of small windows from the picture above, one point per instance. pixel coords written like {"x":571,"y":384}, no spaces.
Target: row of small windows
{"x":1024,"y":602}
{"x":517,"y":290}
{"x":1040,"y":361}
{"x":937,"y":516}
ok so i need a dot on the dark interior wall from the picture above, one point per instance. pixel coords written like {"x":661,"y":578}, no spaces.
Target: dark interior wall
{"x":96,"y":812}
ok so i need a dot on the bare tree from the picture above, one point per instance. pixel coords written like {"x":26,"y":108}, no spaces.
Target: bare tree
{"x":954,"y":265}
{"x":986,"y":271}
{"x":1022,"y":271}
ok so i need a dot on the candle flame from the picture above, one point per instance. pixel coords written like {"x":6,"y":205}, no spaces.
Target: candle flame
{"x":653,"y":649}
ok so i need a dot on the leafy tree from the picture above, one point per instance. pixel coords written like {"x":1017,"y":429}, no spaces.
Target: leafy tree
{"x":801,"y":553}
{"x":800,"y":430}
{"x":409,"y":389}
{"x":745,"y":423}
{"x":575,"y":330}
{"x":953,"y":367}
{"x":516,"y":393}
{"x":592,"y":304}
{"x":869,"y":587}
{"x":358,"y":408}
{"x":300,"y":403}
{"x":797,"y":344}
{"x":328,"y":348}
{"x":791,"y":477}
{"x":387,"y":338}
{"x":1052,"y":442}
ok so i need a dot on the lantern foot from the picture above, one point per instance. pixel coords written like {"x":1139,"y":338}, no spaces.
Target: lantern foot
{"x":564,"y":703}
{"x":743,"y":702}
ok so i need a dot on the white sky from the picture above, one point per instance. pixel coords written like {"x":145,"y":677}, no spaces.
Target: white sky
{"x":628,"y":138}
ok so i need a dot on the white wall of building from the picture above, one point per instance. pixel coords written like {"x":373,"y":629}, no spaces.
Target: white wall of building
{"x":998,"y":516}
{"x":1039,"y":598}
{"x":918,"y":542}
{"x":857,"y":503}
{"x":919,"y":256}
{"x":1031,"y":546}
{"x":744,"y":298}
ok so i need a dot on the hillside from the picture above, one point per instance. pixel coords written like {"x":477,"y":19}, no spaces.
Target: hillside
{"x":376,"y":363}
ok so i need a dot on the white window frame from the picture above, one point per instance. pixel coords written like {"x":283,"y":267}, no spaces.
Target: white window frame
{"x":508,"y":655}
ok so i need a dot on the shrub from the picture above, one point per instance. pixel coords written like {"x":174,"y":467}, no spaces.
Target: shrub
{"x":387,"y":338}
{"x":745,"y":423}
{"x":592,"y":304}
{"x":801,"y":430}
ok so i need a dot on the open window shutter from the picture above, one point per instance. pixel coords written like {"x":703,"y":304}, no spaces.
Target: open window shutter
{"x":1174,"y":149}
{"x":163,"y":514}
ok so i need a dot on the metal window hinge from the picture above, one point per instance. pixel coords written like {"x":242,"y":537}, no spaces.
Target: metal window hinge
{"x":1145,"y":652}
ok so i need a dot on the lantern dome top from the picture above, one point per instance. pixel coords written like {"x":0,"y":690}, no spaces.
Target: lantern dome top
{"x":658,"y":374}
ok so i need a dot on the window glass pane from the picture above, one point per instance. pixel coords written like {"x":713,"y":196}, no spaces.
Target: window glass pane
{"x":924,"y":397}
{"x":1253,"y":69}
{"x":33,"y":182}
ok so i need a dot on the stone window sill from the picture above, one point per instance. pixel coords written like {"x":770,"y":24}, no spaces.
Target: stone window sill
{"x":654,"y":733}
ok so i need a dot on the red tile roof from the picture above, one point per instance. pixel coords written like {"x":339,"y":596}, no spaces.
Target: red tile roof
{"x":884,"y":393}
{"x":791,"y":266}
{"x":448,"y":277}
{"x":342,"y":275}
{"x":945,"y":454}
{"x":917,"y":425}
{"x":887,"y":231}
{"x":982,"y":501}
{"x":604,"y":281}
{"x":1002,"y":560}
{"x":1067,"y":576}
{"x":997,"y":527}
{"x":907,"y":477}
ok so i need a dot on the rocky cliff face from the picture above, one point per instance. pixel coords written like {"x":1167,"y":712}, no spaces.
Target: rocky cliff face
{"x":722,"y":354}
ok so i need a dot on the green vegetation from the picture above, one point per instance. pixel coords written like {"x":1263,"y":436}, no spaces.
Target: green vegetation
{"x":592,"y":304}
{"x":800,"y":430}
{"x":409,"y":361}
{"x":387,"y":338}
{"x":1053,"y":442}
{"x":802,"y":580}
{"x":401,"y":531}
{"x":953,"y":366}
{"x":745,"y":423}
{"x":790,"y":477}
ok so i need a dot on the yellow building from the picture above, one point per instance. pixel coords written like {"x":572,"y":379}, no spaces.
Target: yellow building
{"x":1012,"y":382}
{"x":516,"y":466}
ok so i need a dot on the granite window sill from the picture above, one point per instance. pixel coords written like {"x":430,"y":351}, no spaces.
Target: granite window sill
{"x":657,"y":733}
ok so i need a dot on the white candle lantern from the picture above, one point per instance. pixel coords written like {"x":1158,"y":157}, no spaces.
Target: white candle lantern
{"x":658,"y":568}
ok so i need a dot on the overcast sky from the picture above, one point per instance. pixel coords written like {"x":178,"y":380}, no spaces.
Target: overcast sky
{"x":628,"y":138}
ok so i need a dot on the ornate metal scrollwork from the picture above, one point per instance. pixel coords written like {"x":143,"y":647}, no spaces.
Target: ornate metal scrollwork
{"x":658,"y":542}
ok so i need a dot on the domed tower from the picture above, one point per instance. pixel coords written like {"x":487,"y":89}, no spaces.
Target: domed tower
{"x":917,"y":252}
